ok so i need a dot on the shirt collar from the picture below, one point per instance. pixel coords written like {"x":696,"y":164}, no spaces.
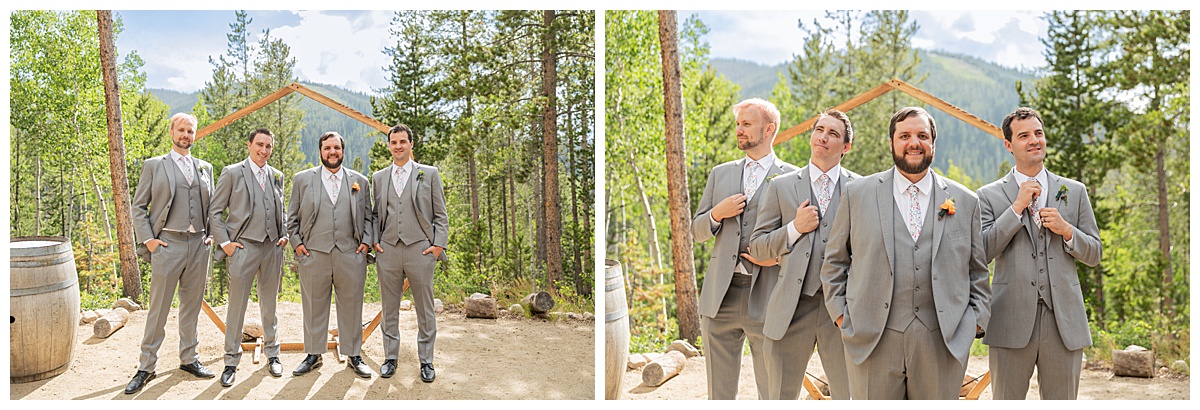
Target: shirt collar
{"x":254,"y":167}
{"x":1041,"y":177}
{"x":325,"y":173}
{"x":815,"y":173}
{"x":901,"y":183}
{"x":765,"y":162}
{"x":407,"y":167}
{"x":175,"y":156}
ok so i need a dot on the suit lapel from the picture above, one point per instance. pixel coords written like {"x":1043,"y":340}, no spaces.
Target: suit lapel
{"x":741,"y":177}
{"x":803,"y":189}
{"x":936,"y":198}
{"x":251,"y":181}
{"x":410,"y":187}
{"x":1011,"y":188}
{"x":886,"y":207}
{"x":167,"y":163}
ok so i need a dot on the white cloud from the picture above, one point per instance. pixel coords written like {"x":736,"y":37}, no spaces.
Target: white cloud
{"x":339,"y":47}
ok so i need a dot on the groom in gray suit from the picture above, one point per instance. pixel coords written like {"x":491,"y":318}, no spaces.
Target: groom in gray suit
{"x":1036,"y":235}
{"x":170,"y":220}
{"x":329,"y":223}
{"x":410,"y":216}
{"x":736,"y":285}
{"x":252,"y":237}
{"x":904,"y":273}
{"x":796,"y":320}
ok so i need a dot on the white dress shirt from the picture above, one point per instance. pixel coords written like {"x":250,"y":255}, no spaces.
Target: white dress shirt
{"x":328,"y":183}
{"x":175,"y":156}
{"x":407,"y":167}
{"x":764,"y":164}
{"x":924,"y":188}
{"x":814,"y":174}
{"x":1042,"y":178}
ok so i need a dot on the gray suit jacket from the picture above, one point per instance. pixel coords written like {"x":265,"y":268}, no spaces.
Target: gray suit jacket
{"x":307,"y":190}
{"x":784,"y":194}
{"x":424,"y":187}
{"x":234,"y":190}
{"x":725,"y":180}
{"x":155,"y":193}
{"x":860,"y":255}
{"x":1010,"y":243}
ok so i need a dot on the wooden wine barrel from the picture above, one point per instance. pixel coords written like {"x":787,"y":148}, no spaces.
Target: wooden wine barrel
{"x":616,"y":329}
{"x":44,"y":307}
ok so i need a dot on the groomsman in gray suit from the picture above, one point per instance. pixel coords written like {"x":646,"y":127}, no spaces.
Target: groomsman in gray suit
{"x":329,"y":223}
{"x":1036,"y":225}
{"x":170,"y":215}
{"x":904,"y":273}
{"x":252,"y":237}
{"x":736,"y":285}
{"x":410,"y":216}
{"x":796,"y":320}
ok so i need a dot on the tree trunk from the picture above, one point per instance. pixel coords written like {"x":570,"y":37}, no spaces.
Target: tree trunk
{"x":131,"y":277}
{"x":481,"y":307}
{"x":677,"y":189}
{"x":538,"y":302}
{"x":664,"y":367}
{"x":37,"y":195}
{"x":550,"y":152}
{"x":110,"y":322}
{"x":1164,"y":228}
{"x":652,"y":241}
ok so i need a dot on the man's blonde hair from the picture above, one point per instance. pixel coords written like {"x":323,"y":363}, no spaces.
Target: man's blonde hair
{"x":768,"y":110}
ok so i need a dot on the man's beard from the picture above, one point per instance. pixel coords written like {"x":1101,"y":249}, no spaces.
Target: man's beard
{"x":907,"y":168}
{"x":179,"y":143}
{"x":331,"y":165}
{"x":750,"y":143}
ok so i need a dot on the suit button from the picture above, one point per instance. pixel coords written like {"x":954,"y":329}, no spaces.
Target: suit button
{"x":1042,"y":253}
{"x":916,"y":248}
{"x":917,"y":309}
{"x":799,"y":280}
{"x":825,"y":225}
{"x":1032,"y":284}
{"x":918,"y":268}
{"x":806,"y":254}
{"x":1041,"y":288}
{"x":885,"y":305}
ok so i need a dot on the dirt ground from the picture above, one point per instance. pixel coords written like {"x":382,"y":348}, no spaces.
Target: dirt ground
{"x":475,"y":359}
{"x":1094,"y":384}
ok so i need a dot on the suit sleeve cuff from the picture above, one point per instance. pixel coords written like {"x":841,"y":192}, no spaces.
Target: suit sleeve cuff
{"x":713,"y":225}
{"x":1070,"y":244}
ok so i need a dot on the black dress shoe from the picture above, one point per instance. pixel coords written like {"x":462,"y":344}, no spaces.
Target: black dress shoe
{"x":227,"y":376}
{"x":198,"y":370}
{"x":388,"y":368}
{"x":274,"y":367}
{"x":360,"y":368}
{"x":310,"y":363}
{"x":427,"y":374}
{"x":139,"y":380}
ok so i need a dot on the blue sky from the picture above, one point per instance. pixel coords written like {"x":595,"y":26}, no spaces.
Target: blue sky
{"x":1008,"y":38}
{"x":344,"y":48}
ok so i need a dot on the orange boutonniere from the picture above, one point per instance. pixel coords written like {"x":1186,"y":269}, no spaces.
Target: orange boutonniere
{"x":947,"y":208}
{"x":354,"y":187}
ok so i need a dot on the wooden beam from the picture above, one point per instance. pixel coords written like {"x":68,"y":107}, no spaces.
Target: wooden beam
{"x":843,"y":107}
{"x":371,"y":122}
{"x":229,"y":119}
{"x":213,"y":315}
{"x":947,"y":108}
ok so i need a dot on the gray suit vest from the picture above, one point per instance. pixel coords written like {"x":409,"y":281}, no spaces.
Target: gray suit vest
{"x":1043,"y":265}
{"x":749,"y":216}
{"x":912,"y":289}
{"x":812,"y":279}
{"x":400,"y":222}
{"x":186,"y":209}
{"x":263,"y":225}
{"x":334,"y":225}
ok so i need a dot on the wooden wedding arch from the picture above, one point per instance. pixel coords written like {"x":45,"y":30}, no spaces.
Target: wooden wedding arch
{"x":900,"y":85}
{"x":982,"y":381}
{"x":332,"y":344}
